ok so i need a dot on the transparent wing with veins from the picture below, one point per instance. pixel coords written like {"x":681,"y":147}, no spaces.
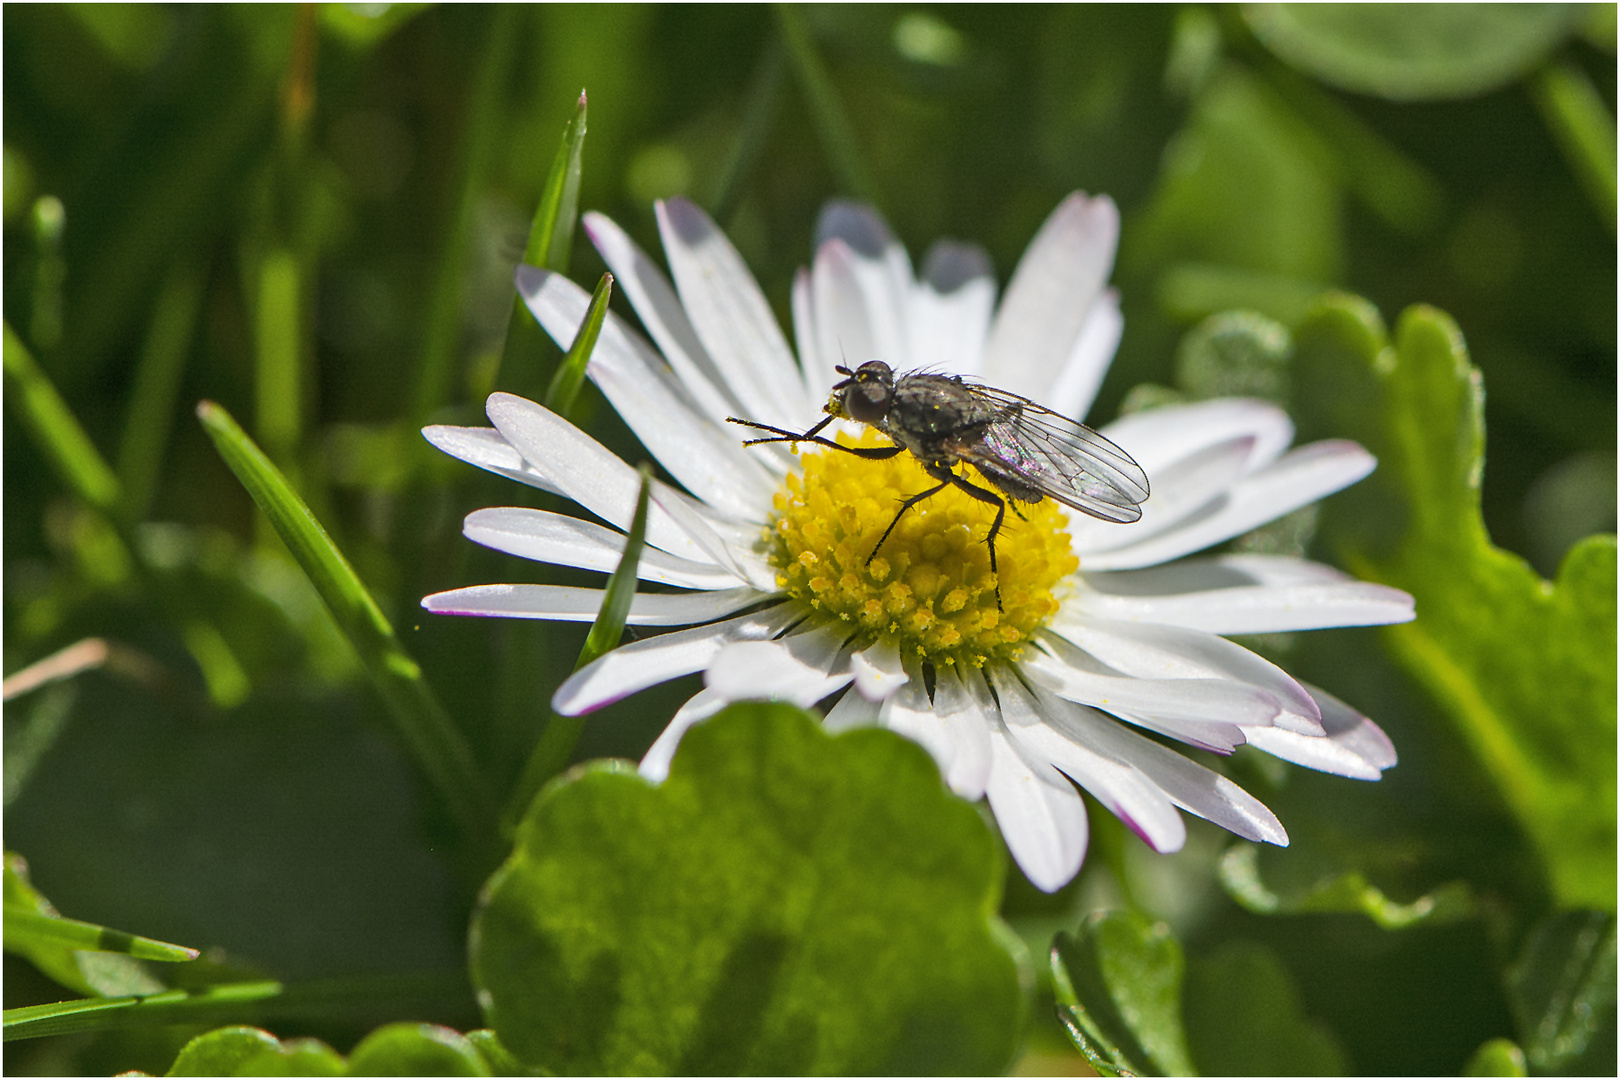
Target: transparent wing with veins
{"x":1062,"y":458}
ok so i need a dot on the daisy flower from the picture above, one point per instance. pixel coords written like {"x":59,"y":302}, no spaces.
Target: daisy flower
{"x":1106,"y":643}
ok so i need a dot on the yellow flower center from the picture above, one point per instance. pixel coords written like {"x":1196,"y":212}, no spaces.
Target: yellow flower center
{"x":929,"y":589}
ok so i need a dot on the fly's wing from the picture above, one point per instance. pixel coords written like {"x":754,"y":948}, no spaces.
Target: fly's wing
{"x":1046,"y":452}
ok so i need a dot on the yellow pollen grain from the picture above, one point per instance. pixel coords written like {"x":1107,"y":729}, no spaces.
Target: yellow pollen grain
{"x":930,"y":590}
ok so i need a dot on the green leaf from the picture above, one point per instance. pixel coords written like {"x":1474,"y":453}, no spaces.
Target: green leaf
{"x":570,"y":374}
{"x":1235,"y":354}
{"x":1497,"y":1057}
{"x":1525,"y":668}
{"x":1562,"y":991}
{"x":557,"y":741}
{"x":1320,"y":890}
{"x":551,"y":239}
{"x":56,"y":430}
{"x":1118,"y":985}
{"x":497,"y":1058}
{"x":786,"y":902}
{"x":162,"y":365}
{"x":248,"y":1051}
{"x":1244,"y":1018}
{"x":58,"y":946}
{"x":420,"y":721}
{"x":416,"y":1050}
{"x":1413,"y":52}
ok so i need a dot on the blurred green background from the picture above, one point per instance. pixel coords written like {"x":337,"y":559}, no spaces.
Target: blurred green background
{"x":310,"y":215}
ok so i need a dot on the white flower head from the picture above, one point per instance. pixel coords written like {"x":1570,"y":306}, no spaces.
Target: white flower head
{"x":1107,"y":630}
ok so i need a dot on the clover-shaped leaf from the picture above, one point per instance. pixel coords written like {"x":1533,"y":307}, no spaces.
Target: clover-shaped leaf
{"x":1525,"y":667}
{"x":786,"y":902}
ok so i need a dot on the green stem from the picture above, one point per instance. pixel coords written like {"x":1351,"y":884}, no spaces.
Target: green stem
{"x":1580,"y":122}
{"x":827,"y":112}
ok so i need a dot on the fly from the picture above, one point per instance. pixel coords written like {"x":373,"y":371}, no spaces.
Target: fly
{"x":1023,"y":450}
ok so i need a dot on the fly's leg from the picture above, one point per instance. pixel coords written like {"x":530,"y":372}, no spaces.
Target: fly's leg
{"x":907,"y":505}
{"x":942,"y":472}
{"x":871,"y":453}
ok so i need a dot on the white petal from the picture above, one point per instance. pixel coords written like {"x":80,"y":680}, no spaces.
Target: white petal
{"x":1185,"y":783}
{"x":1041,"y":817}
{"x":1113,"y":780}
{"x":726,"y":543}
{"x":851,"y":711}
{"x":1060,"y":276}
{"x":1298,"y":479}
{"x":1155,"y":651}
{"x":646,"y":663}
{"x":1216,"y":736}
{"x":578,"y":467}
{"x":706,"y":456}
{"x":1170,"y":595}
{"x":951,"y":308}
{"x":570,"y":541}
{"x":950,"y":728}
{"x":819,"y":375}
{"x":1354,"y":746}
{"x":1187,"y":490}
{"x":854,"y":321}
{"x":1083,"y":371}
{"x":655,"y":763}
{"x":566,"y":603}
{"x":1073,"y":675}
{"x":488,"y":449}
{"x":1158,"y":438}
{"x":878,"y":671}
{"x":801,"y":668}
{"x":654,"y":299}
{"x":730,"y":314}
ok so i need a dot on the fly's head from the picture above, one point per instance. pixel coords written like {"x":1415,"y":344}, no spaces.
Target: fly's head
{"x":865,"y":395}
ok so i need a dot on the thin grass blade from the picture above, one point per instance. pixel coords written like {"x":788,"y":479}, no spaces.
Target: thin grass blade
{"x":557,"y":741}
{"x":570,"y":374}
{"x":421,"y":722}
{"x":57,"y":431}
{"x":32,"y":927}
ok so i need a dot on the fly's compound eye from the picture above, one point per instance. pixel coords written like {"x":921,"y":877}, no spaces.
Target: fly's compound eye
{"x":867,"y":399}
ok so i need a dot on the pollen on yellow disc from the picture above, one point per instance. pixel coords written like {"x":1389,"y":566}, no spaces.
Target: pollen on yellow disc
{"x":930,"y":588}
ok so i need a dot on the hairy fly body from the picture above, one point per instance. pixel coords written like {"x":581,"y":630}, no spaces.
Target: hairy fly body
{"x":1023,"y":450}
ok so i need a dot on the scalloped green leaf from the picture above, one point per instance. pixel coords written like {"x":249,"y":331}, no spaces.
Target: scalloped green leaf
{"x":1497,"y":1057}
{"x":250,"y":1051}
{"x":1524,"y":667}
{"x":786,"y":902}
{"x":1118,"y":985}
{"x":1413,"y":52}
{"x":1245,"y":1018}
{"x":405,"y":1049}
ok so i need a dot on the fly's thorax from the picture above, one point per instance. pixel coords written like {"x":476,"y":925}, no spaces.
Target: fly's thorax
{"x":929,"y":589}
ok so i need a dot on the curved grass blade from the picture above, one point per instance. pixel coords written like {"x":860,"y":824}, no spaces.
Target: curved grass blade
{"x":570,"y":374}
{"x":170,"y":1007}
{"x":557,"y":741}
{"x":57,"y":430}
{"x":31,"y":927}
{"x":827,"y":112}
{"x":1574,"y":111}
{"x":419,"y":719}
{"x":551,"y":238}
{"x":150,"y":418}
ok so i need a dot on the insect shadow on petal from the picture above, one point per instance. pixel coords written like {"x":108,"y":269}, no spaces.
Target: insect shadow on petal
{"x":1023,"y":450}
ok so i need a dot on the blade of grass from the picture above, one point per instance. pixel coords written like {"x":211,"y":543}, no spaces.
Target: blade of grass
{"x":444,"y":309}
{"x":760,"y":113}
{"x":527,"y":349}
{"x":57,"y":431}
{"x":1581,"y":124}
{"x":422,"y":724}
{"x":556,"y":743}
{"x":827,"y":112}
{"x":371,"y":998}
{"x":570,"y":374}
{"x":157,"y":382}
{"x":21,"y":924}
